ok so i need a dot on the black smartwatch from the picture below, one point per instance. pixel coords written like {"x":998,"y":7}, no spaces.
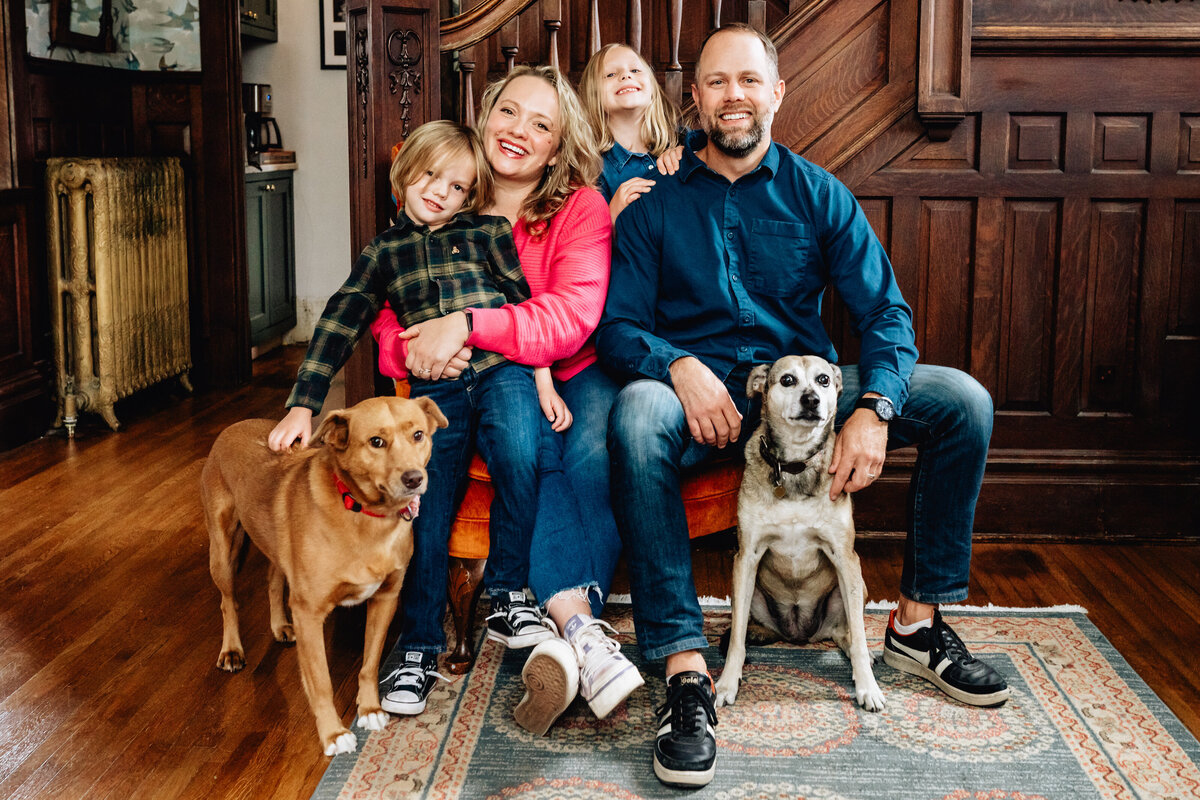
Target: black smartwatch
{"x":882,"y":407}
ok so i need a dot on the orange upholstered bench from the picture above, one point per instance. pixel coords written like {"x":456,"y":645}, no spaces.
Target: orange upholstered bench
{"x":709,"y":498}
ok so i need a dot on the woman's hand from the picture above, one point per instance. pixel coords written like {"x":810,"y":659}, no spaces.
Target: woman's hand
{"x":668,"y":162}
{"x":436,"y":347}
{"x":553,"y":406}
{"x":297,"y":424}
{"x":626,"y":193}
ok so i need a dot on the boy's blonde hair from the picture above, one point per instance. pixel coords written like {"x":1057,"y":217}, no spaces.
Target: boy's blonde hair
{"x":660,"y":121}
{"x":578,"y":163}
{"x":434,"y":142}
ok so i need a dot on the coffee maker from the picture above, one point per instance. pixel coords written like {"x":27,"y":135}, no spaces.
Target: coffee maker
{"x":262,"y":132}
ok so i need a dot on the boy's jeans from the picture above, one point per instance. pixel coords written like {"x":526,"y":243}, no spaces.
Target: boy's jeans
{"x":948,"y":415}
{"x":498,"y":413}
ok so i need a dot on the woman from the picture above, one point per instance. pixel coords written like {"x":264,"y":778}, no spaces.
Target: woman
{"x":544,"y":161}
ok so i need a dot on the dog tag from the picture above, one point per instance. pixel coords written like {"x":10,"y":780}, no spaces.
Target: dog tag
{"x":780,"y":492}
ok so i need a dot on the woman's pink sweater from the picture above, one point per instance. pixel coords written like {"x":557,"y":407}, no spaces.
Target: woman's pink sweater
{"x":567,"y":270}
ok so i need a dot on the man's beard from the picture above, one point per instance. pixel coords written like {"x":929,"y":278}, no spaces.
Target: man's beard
{"x":740,"y":144}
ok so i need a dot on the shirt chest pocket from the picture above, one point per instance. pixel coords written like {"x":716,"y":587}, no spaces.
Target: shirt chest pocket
{"x":778,"y":257}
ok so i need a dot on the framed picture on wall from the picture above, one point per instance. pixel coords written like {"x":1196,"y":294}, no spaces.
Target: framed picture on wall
{"x":333,"y":34}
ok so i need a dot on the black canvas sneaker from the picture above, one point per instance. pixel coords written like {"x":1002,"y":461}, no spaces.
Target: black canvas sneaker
{"x":685,"y":749}
{"x":411,"y":683}
{"x":939,"y":656}
{"x":515,"y":622}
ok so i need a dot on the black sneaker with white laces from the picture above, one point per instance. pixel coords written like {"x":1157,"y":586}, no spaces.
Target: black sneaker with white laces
{"x":938,"y":655}
{"x":685,"y":749}
{"x":411,"y":683}
{"x":515,"y":622}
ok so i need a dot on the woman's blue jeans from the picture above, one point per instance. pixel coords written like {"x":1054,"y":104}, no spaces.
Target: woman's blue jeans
{"x":575,"y":541}
{"x":948,"y":416}
{"x":497,"y":413}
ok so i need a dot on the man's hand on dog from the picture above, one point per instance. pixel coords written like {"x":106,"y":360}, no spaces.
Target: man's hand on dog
{"x":712,"y":417}
{"x":858,"y":453}
{"x":296,"y":424}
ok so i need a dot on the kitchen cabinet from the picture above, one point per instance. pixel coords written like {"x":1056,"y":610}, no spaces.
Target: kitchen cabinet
{"x":259,"y":18}
{"x":271,"y":254}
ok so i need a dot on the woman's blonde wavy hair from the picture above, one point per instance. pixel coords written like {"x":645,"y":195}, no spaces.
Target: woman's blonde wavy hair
{"x":660,"y":121}
{"x":578,"y":162}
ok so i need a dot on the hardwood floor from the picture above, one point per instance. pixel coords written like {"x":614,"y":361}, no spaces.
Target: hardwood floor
{"x":110,"y":626}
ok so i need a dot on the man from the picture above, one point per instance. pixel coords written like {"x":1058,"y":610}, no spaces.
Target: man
{"x":722,"y":267}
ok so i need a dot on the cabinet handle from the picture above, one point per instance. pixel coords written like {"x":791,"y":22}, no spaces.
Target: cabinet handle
{"x":250,"y":14}
{"x":270,"y":187}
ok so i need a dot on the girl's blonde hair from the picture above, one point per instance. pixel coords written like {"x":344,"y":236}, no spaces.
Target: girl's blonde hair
{"x":430,"y":144}
{"x":660,"y":121}
{"x":578,"y":162}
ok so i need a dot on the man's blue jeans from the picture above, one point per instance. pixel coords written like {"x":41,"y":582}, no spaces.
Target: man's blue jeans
{"x":575,"y":541}
{"x":948,"y":416}
{"x":497,"y":412}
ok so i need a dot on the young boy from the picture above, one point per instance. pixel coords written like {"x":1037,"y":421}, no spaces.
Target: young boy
{"x":441,"y":256}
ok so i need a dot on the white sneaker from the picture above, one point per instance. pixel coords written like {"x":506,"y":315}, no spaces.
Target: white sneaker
{"x":551,"y":678}
{"x":606,"y":676}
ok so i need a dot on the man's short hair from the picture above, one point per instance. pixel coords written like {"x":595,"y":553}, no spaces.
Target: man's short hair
{"x":742,"y":27}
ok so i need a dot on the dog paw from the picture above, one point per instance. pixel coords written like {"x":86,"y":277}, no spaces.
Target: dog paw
{"x":871,"y":698}
{"x":285,"y":634}
{"x":726,"y":692}
{"x":373,"y":720}
{"x":231,"y":661}
{"x":344,"y":742}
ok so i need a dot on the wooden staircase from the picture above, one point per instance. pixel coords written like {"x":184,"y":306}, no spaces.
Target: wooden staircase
{"x":1032,"y":167}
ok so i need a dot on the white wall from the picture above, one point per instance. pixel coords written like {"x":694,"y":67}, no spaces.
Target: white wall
{"x":310,"y":106}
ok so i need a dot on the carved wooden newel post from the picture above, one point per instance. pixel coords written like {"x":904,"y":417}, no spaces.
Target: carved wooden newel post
{"x":393,"y":77}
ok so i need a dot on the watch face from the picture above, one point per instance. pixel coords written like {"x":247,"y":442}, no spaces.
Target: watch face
{"x":884,"y":409}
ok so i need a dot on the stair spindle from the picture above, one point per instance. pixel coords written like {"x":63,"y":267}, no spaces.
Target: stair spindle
{"x":510,"y":42}
{"x":633,"y":26}
{"x":552,"y":19}
{"x":673,"y":79}
{"x":756,"y":15}
{"x":716,"y":14}
{"x":466,"y":65}
{"x":593,"y":43}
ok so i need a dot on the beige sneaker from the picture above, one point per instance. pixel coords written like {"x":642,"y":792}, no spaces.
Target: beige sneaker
{"x":607,"y":677}
{"x":551,"y":678}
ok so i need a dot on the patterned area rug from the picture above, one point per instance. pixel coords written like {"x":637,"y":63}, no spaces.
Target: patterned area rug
{"x":1080,"y":724}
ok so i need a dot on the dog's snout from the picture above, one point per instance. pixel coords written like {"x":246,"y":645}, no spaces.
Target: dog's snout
{"x":413,"y":478}
{"x":810,"y":400}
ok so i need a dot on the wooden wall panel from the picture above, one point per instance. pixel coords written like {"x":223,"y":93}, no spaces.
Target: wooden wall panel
{"x":1029,"y":278}
{"x":944,"y":299}
{"x":1117,"y":230}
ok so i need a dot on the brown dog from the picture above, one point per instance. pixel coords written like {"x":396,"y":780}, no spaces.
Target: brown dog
{"x":335,"y":522}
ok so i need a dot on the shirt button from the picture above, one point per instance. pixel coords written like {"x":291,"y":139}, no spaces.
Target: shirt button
{"x":729,"y":236}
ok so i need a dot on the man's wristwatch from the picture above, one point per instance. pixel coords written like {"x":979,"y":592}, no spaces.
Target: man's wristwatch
{"x":882,"y":407}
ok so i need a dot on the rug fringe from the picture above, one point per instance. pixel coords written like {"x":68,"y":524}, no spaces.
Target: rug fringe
{"x":887,"y":605}
{"x":1066,"y":608}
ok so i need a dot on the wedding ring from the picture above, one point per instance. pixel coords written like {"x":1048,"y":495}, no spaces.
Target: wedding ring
{"x":871,"y":475}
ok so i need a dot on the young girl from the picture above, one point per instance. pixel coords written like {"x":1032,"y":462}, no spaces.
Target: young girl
{"x":632,"y":118}
{"x":443,"y":256}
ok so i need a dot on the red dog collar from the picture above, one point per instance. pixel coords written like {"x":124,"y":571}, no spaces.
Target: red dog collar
{"x":409,"y":513}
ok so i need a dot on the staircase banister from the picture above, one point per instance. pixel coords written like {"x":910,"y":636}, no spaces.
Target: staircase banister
{"x":479,"y":23}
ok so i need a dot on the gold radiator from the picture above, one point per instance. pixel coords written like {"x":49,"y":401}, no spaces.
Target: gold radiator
{"x":118,"y":279}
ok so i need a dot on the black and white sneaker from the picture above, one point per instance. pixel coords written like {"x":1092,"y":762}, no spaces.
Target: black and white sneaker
{"x":938,"y":655}
{"x":685,"y":749}
{"x":515,"y":622}
{"x":411,"y":683}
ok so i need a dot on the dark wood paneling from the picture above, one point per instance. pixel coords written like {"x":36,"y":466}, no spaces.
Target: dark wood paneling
{"x":1026,"y":324}
{"x":943,"y":300}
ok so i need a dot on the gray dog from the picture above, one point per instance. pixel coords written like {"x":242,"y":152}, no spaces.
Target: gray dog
{"x":796,"y":572}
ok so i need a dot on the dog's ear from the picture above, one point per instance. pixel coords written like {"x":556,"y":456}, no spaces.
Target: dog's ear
{"x":334,"y":430}
{"x":435,"y":415}
{"x":757,"y":383}
{"x":837,"y":377}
